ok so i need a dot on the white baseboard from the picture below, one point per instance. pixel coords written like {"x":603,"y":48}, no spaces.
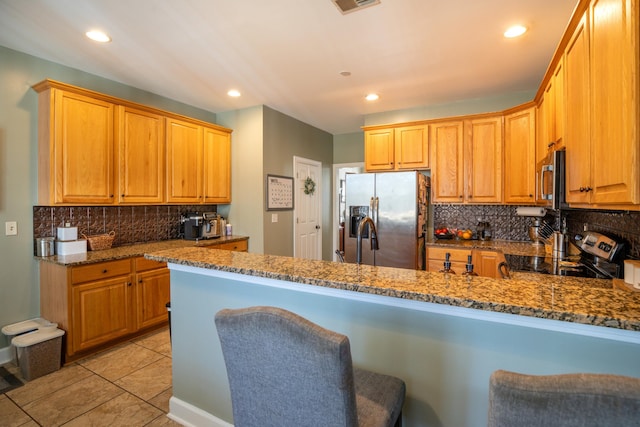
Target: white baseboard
{"x":191,"y":416}
{"x":5,"y":355}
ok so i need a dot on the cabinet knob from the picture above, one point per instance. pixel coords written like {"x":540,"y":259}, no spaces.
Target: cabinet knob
{"x":128,"y":283}
{"x":111,"y":196}
{"x":530,"y":195}
{"x":104,"y":271}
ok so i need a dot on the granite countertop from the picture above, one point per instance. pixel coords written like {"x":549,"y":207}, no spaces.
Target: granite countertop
{"x":506,"y":246}
{"x":129,"y":251}
{"x":578,"y":300}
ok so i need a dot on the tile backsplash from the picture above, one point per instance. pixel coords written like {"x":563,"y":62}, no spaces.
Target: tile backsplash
{"x":506,"y":225}
{"x":132,"y":224}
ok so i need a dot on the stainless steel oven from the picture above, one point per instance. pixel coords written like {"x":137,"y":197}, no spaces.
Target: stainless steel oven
{"x":550,"y":181}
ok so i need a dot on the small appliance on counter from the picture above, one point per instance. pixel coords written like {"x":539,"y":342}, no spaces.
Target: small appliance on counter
{"x":192,"y":224}
{"x":214,"y":225}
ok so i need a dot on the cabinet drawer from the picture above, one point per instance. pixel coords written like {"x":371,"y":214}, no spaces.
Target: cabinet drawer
{"x":143,"y":264}
{"x":459,"y":255}
{"x":102,"y":270}
{"x":241,"y":245}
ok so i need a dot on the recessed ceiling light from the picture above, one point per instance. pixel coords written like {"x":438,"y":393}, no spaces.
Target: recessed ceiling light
{"x":515,"y":31}
{"x":98,"y":36}
{"x":234,"y":93}
{"x":372,"y":97}
{"x":345,"y":73}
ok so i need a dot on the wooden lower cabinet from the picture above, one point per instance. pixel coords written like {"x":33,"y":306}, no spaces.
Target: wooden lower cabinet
{"x":101,"y":312}
{"x":485,"y":262}
{"x":153,"y":282}
{"x":102,"y":303}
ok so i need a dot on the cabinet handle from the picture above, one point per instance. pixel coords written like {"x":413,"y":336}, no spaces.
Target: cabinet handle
{"x":128,"y":283}
{"x":139,"y":280}
{"x":104,"y":271}
{"x":530,"y":195}
{"x":111,"y":196}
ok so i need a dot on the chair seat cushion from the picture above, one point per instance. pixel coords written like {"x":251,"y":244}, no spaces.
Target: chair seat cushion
{"x":379,"y":398}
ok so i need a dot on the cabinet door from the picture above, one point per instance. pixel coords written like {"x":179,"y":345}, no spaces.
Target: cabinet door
{"x":447,"y":185}
{"x":519,"y":156}
{"x":412,"y":147}
{"x":184,"y":162}
{"x":578,"y":134}
{"x":83,"y":147}
{"x":614,"y":99}
{"x":152,"y":294}
{"x":141,"y":156}
{"x":485,"y":263}
{"x":217,"y":166}
{"x":483,"y":160}
{"x":379,"y":149}
{"x":559,"y":113}
{"x":101,"y":311}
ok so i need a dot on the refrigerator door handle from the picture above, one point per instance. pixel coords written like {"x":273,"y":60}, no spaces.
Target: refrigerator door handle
{"x":372,"y":209}
{"x":375,"y":211}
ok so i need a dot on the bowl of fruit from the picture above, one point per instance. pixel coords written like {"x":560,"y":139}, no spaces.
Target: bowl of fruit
{"x":465,"y":234}
{"x":444,"y":233}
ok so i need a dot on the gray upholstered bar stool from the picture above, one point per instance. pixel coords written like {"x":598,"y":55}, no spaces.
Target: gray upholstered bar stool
{"x":287,"y":371}
{"x":568,"y":400}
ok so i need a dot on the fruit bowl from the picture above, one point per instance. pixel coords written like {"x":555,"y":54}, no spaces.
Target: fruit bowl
{"x":444,"y":233}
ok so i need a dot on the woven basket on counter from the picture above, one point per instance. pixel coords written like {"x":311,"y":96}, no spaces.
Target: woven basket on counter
{"x":98,"y":242}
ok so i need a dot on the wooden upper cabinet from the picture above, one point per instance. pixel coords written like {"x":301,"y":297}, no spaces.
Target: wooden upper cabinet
{"x":483,"y":160}
{"x":379,"y":149}
{"x":141,"y":156}
{"x":578,"y":124}
{"x":615,"y":140}
{"x":184,"y":162}
{"x":519,"y":156}
{"x":217,"y":166}
{"x":551,"y":115}
{"x":76,"y":149}
{"x":397,"y":148}
{"x":95,"y":149}
{"x":411,"y":147}
{"x":447,"y":167}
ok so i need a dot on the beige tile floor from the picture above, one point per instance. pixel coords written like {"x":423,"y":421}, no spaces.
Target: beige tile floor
{"x":128,"y":385}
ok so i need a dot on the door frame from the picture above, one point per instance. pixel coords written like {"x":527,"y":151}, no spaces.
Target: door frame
{"x":335,"y":220}
{"x":296,"y":160}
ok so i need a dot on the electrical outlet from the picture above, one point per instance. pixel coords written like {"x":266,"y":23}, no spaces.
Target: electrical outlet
{"x":10,"y":228}
{"x":274,"y":217}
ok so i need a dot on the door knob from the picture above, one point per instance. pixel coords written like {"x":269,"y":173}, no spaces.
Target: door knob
{"x":317,"y":227}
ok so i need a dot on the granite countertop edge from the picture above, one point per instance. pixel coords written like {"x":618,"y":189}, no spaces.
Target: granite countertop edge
{"x":584,"y":301}
{"x":134,"y":250}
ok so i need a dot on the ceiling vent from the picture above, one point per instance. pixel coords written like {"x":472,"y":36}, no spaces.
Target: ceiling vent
{"x":348,"y":6}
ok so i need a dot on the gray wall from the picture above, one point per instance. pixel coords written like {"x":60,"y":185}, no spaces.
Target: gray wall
{"x":284,"y":138}
{"x":348,"y":148}
{"x":19,"y":279}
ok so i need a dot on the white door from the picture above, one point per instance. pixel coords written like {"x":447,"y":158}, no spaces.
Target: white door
{"x":307,"y":213}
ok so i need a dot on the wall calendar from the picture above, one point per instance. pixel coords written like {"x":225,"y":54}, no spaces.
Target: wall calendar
{"x":279,"y":192}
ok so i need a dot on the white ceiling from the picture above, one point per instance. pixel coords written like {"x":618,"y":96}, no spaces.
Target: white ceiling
{"x":288,"y":54}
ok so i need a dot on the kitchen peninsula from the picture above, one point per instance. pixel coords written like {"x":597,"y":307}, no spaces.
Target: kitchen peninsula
{"x":442,"y":335}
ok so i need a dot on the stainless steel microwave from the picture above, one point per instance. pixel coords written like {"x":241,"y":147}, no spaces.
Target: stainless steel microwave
{"x":551,"y":181}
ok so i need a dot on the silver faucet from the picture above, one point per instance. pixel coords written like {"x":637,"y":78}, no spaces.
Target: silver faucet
{"x":374,"y":237}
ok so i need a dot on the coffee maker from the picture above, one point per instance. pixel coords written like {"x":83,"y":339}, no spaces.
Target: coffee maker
{"x":192,"y":224}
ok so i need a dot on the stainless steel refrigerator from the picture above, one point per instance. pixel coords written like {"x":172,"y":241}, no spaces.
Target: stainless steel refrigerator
{"x":398,"y":203}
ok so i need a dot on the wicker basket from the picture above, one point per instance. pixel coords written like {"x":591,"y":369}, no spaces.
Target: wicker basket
{"x":98,"y":242}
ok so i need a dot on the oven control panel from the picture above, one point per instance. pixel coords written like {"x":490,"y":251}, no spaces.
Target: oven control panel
{"x":598,"y":245}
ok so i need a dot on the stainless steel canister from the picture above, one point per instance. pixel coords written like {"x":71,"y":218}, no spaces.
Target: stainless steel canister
{"x":45,"y":246}
{"x":559,"y":248}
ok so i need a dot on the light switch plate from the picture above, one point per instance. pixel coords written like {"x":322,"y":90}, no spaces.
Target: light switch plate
{"x":274,"y":217}
{"x":10,"y":228}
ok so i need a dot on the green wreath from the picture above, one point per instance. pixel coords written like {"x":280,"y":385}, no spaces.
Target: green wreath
{"x":309,"y":186}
